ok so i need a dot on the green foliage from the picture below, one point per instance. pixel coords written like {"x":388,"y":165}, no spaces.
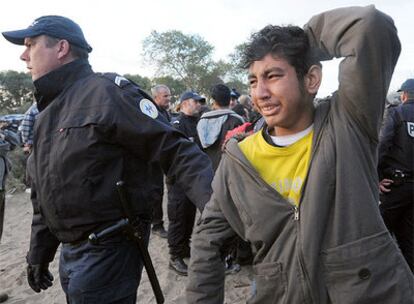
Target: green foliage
{"x":16,"y":91}
{"x":185,"y":63}
{"x":142,"y":81}
{"x":177,"y":86}
{"x":187,"y":58}
{"x":238,"y":74}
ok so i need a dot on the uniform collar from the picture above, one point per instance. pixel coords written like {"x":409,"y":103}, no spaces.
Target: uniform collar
{"x":52,"y":84}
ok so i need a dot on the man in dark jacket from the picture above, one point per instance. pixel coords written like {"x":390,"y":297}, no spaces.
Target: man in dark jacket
{"x":162,"y":97}
{"x":396,"y":168}
{"x":213,"y":125}
{"x":181,"y":210}
{"x":92,"y":131}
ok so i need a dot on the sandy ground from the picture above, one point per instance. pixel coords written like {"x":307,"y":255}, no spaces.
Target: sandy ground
{"x":15,"y":242}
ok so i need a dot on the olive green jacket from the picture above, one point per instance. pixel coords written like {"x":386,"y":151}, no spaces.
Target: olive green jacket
{"x":335,"y":247}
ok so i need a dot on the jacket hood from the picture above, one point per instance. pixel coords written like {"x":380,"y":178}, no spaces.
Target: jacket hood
{"x":210,"y":124}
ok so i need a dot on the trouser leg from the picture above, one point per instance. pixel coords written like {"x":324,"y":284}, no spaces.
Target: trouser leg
{"x":181,"y":214}
{"x":397,"y":212}
{"x":106,"y":273}
{"x":404,"y":234}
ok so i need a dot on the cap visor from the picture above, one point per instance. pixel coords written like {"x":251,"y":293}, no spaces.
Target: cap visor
{"x":17,"y":37}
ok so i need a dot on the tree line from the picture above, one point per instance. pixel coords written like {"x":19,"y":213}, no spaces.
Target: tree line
{"x":182,"y":62}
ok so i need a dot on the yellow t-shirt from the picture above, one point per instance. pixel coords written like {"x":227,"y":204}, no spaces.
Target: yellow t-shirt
{"x":283,"y":168}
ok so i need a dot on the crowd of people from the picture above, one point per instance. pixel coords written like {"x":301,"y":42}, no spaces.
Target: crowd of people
{"x":294,"y":188}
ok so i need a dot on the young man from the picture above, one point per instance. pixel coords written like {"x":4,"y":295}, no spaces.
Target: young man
{"x":396,"y":171}
{"x":304,"y":190}
{"x":214,"y":125}
{"x":92,"y":131}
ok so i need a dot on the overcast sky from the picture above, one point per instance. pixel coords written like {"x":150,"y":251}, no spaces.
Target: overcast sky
{"x":115,"y":29}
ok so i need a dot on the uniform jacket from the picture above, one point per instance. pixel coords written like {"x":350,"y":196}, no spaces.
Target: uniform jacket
{"x":92,"y":131}
{"x":334,"y":247}
{"x":396,"y":149}
{"x":187,"y":125}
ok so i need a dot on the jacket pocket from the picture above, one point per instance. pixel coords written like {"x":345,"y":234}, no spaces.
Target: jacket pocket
{"x":369,"y":270}
{"x":271,"y":284}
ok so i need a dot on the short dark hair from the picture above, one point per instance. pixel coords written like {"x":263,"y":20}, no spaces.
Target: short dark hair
{"x":288,"y":42}
{"x":76,"y":51}
{"x":221,"y":95}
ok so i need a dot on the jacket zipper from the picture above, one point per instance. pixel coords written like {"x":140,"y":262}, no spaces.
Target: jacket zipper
{"x":296,"y":218}
{"x":296,"y":213}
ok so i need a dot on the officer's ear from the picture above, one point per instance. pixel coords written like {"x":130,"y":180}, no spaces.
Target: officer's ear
{"x":63,"y":48}
{"x":404,"y":96}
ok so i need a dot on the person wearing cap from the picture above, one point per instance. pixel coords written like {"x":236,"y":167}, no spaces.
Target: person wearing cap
{"x":181,"y":209}
{"x":396,"y":169}
{"x":234,"y":98}
{"x":92,"y":131}
{"x":304,"y":190}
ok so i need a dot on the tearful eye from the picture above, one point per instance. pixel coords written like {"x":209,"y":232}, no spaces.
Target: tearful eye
{"x":275,"y":76}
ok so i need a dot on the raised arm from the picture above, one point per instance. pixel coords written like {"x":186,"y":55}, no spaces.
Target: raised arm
{"x":368,"y":41}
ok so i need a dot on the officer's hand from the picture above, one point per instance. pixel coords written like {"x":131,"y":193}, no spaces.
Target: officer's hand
{"x":385,"y":184}
{"x":39,"y":277}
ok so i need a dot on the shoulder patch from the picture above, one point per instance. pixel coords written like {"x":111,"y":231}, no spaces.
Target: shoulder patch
{"x":119,"y":79}
{"x":148,"y":108}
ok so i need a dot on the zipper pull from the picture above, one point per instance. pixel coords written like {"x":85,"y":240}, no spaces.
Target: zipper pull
{"x":296,"y":214}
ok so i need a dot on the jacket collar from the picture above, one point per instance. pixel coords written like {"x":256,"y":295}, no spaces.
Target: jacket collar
{"x":52,"y":84}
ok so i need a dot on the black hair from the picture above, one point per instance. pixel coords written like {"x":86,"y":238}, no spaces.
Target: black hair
{"x":221,"y":95}
{"x":288,"y":42}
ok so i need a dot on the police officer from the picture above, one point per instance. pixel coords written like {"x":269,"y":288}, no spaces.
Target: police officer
{"x":161,"y":95}
{"x":92,"y":131}
{"x":181,"y":211}
{"x":396,"y":155}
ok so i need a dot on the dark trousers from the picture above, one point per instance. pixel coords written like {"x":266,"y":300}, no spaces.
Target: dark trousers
{"x":397,"y":211}
{"x":181,"y":215}
{"x":106,"y":273}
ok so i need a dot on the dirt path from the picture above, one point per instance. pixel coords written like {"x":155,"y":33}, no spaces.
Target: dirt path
{"x":15,"y":242}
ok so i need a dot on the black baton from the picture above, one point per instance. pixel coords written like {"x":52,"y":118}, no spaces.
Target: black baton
{"x":128,"y":210}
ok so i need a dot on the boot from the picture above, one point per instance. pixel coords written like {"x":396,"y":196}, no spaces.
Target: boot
{"x":178,"y":265}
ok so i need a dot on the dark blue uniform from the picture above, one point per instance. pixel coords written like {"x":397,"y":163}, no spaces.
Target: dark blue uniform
{"x":92,"y":131}
{"x":396,"y":158}
{"x":181,"y":209}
